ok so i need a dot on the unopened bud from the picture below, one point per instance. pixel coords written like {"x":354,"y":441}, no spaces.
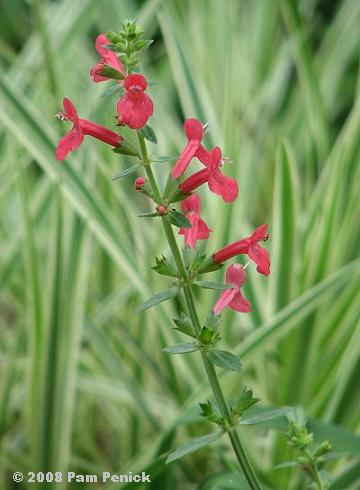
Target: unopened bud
{"x":162,"y":209}
{"x":139,"y":184}
{"x":324,"y":448}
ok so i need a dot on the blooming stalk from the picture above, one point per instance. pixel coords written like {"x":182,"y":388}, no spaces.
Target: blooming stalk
{"x":134,"y":109}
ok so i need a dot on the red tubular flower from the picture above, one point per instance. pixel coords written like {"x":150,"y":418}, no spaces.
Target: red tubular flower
{"x":233,"y":298}
{"x":249,"y":246}
{"x":139,"y":183}
{"x":135,"y":107}
{"x":194,"y":132}
{"x":81,"y":127}
{"x":220,"y":184}
{"x":108,"y":57}
{"x":199,"y":230}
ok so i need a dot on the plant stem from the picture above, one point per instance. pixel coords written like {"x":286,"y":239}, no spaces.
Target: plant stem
{"x":189,"y":299}
{"x":315,"y":471}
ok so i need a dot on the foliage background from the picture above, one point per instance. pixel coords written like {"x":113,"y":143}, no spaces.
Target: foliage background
{"x":84,"y":384}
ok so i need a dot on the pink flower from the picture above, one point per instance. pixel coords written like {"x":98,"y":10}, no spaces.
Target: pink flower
{"x":199,"y":230}
{"x":220,"y":184}
{"x":194,"y":132}
{"x":233,"y":298}
{"x":108,"y":57}
{"x":249,"y":246}
{"x":81,"y":127}
{"x":135,"y":107}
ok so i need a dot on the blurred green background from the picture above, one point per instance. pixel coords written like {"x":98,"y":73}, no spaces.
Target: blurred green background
{"x":84,"y":383}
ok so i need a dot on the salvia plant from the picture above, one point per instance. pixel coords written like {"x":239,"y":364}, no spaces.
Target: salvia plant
{"x":177,"y":208}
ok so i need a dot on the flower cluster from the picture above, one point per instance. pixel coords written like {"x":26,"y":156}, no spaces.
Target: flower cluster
{"x":134,"y":107}
{"x":118,"y":55}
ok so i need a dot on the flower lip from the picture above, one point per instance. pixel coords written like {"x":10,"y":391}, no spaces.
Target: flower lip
{"x":135,"y":83}
{"x":232,"y":298}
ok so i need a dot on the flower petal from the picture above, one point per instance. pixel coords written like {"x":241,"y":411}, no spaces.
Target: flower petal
{"x":194,"y":181}
{"x":70,"y":110}
{"x":239,"y":303}
{"x":184,"y":159}
{"x":69,"y":142}
{"x":100,"y":42}
{"x":135,"y":80}
{"x":134,"y":109}
{"x":203,"y":230}
{"x":191,"y":204}
{"x":193,"y":129}
{"x":191,"y":234}
{"x":224,"y":186}
{"x":260,"y":233}
{"x":235,"y":274}
{"x":261,"y":258}
{"x":224,"y":300}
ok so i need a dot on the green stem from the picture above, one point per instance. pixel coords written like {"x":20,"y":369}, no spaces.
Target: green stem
{"x":189,"y":299}
{"x":315,"y":471}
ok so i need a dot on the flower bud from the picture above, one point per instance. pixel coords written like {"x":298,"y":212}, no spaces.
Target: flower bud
{"x":324,"y":448}
{"x":162,"y":209}
{"x":139,"y":184}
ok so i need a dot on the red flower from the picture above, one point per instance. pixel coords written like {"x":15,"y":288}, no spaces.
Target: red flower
{"x":199,"y":231}
{"x":135,"y":107}
{"x":139,"y":183}
{"x":81,"y":127}
{"x":249,"y":246}
{"x":108,"y":57}
{"x":220,"y":184}
{"x":194,"y":132}
{"x":233,"y":298}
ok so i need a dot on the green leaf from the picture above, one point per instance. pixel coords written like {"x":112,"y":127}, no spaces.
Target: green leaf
{"x":170,"y":188}
{"x":178,"y":219}
{"x":164,"y":158}
{"x":165,"y":267}
{"x":148,"y":215}
{"x":225,"y":360}
{"x":181,"y":348}
{"x":111,"y":72}
{"x":331,"y":456}
{"x":125,"y":148}
{"x":158,"y":298}
{"x":287,"y":464}
{"x":184,"y":325}
{"x":265,"y":416}
{"x":214,"y":285}
{"x":341,"y":438}
{"x":193,"y":445}
{"x":208,"y":265}
{"x":127,"y":171}
{"x":148,"y":133}
{"x":213,"y":321}
{"x":245,"y":401}
{"x":115,"y":89}
{"x":209,"y":412}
